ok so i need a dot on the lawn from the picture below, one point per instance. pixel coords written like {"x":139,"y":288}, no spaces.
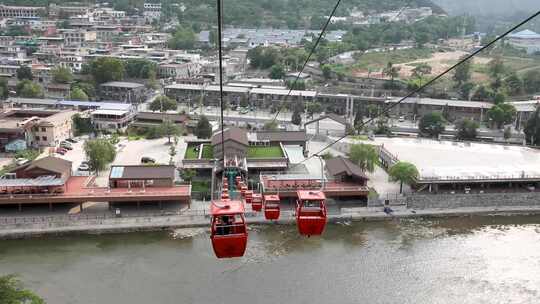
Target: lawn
{"x":264,"y":152}
{"x":207,"y":152}
{"x":191,"y":153}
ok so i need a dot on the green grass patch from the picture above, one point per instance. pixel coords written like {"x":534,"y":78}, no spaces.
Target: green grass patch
{"x":200,"y":186}
{"x":378,"y":61}
{"x":264,"y":152}
{"x":207,"y":152}
{"x":191,"y":153}
{"x":360,"y":137}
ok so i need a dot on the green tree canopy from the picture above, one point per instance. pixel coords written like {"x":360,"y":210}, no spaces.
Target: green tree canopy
{"x":432,"y":124}
{"x":163,"y":104}
{"x":422,"y":70}
{"x":403,"y":172}
{"x":99,"y":152}
{"x":296,"y":118}
{"x":277,"y":71}
{"x":204,"y":129}
{"x":139,"y":68}
{"x":82,"y":125}
{"x":532,"y":129}
{"x":4,"y":91}
{"x":78,"y":94}
{"x":13,"y":292}
{"x":170,"y":129}
{"x":183,"y":39}
{"x":29,"y":89}
{"x":24,"y":72}
{"x":462,"y":73}
{"x":62,"y":75}
{"x":501,"y":114}
{"x":365,"y":156}
{"x":106,"y":69}
{"x":327,"y":71}
{"x":467,"y":129}
{"x":531,"y":81}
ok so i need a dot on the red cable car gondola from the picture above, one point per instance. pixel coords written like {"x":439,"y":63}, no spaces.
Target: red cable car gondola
{"x":310,"y":212}
{"x":229,"y":231}
{"x":271,"y":207}
{"x":256,"y":202}
{"x":249,"y":196}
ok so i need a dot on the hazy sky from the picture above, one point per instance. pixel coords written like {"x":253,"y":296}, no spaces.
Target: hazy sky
{"x":488,"y":7}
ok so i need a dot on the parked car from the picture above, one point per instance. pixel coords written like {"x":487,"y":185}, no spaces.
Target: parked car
{"x":401,"y":119}
{"x":21,"y":161}
{"x":84,"y":167}
{"x":244,"y":111}
{"x":147,"y":160}
{"x":67,"y":147}
{"x":72,"y":140}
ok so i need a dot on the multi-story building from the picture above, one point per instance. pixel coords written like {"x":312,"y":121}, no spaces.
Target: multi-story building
{"x":152,"y":10}
{"x":77,"y":37}
{"x":181,"y":70}
{"x":128,"y":92}
{"x":8,"y":11}
{"x":36,"y":127}
{"x":56,"y":10}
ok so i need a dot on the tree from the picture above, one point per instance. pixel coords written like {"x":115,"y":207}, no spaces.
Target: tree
{"x":496,"y":68}
{"x":13,"y":292}
{"x":29,"y":89}
{"x":483,"y":94}
{"x":501,"y":114}
{"x":213,"y":38}
{"x":183,"y":39}
{"x":421,"y":70}
{"x":465,"y":90}
{"x":163,"y":104}
{"x":531,"y":81}
{"x":327,"y":71}
{"x":78,"y":94}
{"x":467,"y":129}
{"x":152,"y":81}
{"x":365,"y":156}
{"x":296,"y":85}
{"x":82,"y":125}
{"x":188,"y":174}
{"x":392,"y":72}
{"x":4,"y":91}
{"x":99,"y":152}
{"x":277,"y":72}
{"x":403,"y":172}
{"x":62,"y":75}
{"x":296,"y":118}
{"x":170,"y":129}
{"x":270,"y":126}
{"x":513,"y":84}
{"x":139,"y":68}
{"x":432,"y":124}
{"x":88,"y":88}
{"x":532,"y":128}
{"x":24,"y":72}
{"x":106,"y":69}
{"x":462,"y":73}
{"x":314,"y":107}
{"x":204,"y":129}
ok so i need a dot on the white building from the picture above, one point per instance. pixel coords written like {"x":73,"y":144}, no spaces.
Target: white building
{"x":327,"y":125}
{"x":527,"y":39}
{"x":152,"y":11}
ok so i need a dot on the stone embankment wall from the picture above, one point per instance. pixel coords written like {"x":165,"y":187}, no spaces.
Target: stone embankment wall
{"x":450,"y":201}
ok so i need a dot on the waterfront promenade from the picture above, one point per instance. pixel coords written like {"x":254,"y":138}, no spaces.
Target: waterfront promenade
{"x":35,"y":226}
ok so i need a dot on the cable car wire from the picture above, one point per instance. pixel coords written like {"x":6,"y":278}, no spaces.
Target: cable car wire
{"x":220,"y":55}
{"x":323,"y":30}
{"x":388,"y":108}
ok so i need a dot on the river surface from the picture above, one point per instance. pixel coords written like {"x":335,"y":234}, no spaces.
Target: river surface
{"x":462,"y":260}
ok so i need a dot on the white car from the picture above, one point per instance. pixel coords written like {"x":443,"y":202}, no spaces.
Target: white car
{"x":84,"y":167}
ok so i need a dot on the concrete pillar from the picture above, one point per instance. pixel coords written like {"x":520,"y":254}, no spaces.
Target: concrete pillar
{"x":20,"y":207}
{"x":50,"y":206}
{"x":138,"y":205}
{"x":81,"y":207}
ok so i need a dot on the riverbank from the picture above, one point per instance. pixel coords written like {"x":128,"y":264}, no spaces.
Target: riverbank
{"x":171,"y":222}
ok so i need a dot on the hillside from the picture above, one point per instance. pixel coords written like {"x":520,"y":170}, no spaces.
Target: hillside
{"x":488,"y":7}
{"x":258,"y":13}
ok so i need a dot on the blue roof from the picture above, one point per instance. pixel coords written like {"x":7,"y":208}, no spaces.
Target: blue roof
{"x":117,"y":172}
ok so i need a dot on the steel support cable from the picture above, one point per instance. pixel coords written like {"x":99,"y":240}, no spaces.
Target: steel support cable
{"x":418,"y":90}
{"x":323,"y":30}
{"x":220,"y":55}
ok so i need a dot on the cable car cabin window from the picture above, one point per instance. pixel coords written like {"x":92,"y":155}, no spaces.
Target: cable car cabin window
{"x":312,"y":204}
{"x":229,"y":224}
